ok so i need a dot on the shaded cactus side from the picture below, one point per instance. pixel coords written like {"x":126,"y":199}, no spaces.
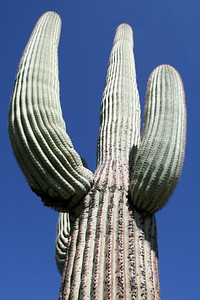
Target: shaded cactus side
{"x":62,"y":240}
{"x":106,"y":246}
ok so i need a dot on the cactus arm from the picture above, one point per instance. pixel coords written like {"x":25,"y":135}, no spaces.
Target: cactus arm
{"x":159,"y":160}
{"x":37,"y":130}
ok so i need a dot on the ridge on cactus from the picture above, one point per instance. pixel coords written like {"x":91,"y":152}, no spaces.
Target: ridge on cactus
{"x":106,"y":244}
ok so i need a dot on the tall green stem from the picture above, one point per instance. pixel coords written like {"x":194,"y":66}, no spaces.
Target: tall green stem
{"x":113,"y":248}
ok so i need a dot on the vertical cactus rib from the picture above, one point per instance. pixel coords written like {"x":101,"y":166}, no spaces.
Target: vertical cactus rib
{"x":120,"y":107}
{"x":62,"y":240}
{"x":37,"y":130}
{"x":159,"y":160}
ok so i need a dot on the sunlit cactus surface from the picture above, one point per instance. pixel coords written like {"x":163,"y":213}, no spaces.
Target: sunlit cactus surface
{"x":106,"y":244}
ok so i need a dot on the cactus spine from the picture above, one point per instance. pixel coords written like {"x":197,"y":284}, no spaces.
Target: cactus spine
{"x":106,"y":246}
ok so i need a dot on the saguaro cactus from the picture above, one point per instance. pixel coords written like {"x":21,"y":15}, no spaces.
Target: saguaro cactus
{"x":106,"y":246}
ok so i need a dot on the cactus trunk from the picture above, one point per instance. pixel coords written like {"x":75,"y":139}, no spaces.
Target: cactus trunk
{"x":113,"y":249}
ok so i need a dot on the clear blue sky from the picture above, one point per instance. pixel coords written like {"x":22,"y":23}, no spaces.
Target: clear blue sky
{"x":165,"y":32}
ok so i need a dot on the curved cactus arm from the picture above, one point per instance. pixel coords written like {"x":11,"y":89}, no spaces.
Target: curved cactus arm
{"x":37,"y":130}
{"x":62,"y":240}
{"x":159,"y":160}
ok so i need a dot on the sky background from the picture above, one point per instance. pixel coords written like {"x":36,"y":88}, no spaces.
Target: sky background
{"x":164,"y":32}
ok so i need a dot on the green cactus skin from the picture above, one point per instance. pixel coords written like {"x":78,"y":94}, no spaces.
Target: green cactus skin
{"x":62,"y":240}
{"x":37,"y":130}
{"x":120,"y":108}
{"x":159,"y":160}
{"x":106,"y":245}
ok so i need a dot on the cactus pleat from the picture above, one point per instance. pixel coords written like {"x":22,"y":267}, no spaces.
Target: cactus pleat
{"x":159,"y":160}
{"x":37,"y":130}
{"x":62,"y":240}
{"x":113,"y":248}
